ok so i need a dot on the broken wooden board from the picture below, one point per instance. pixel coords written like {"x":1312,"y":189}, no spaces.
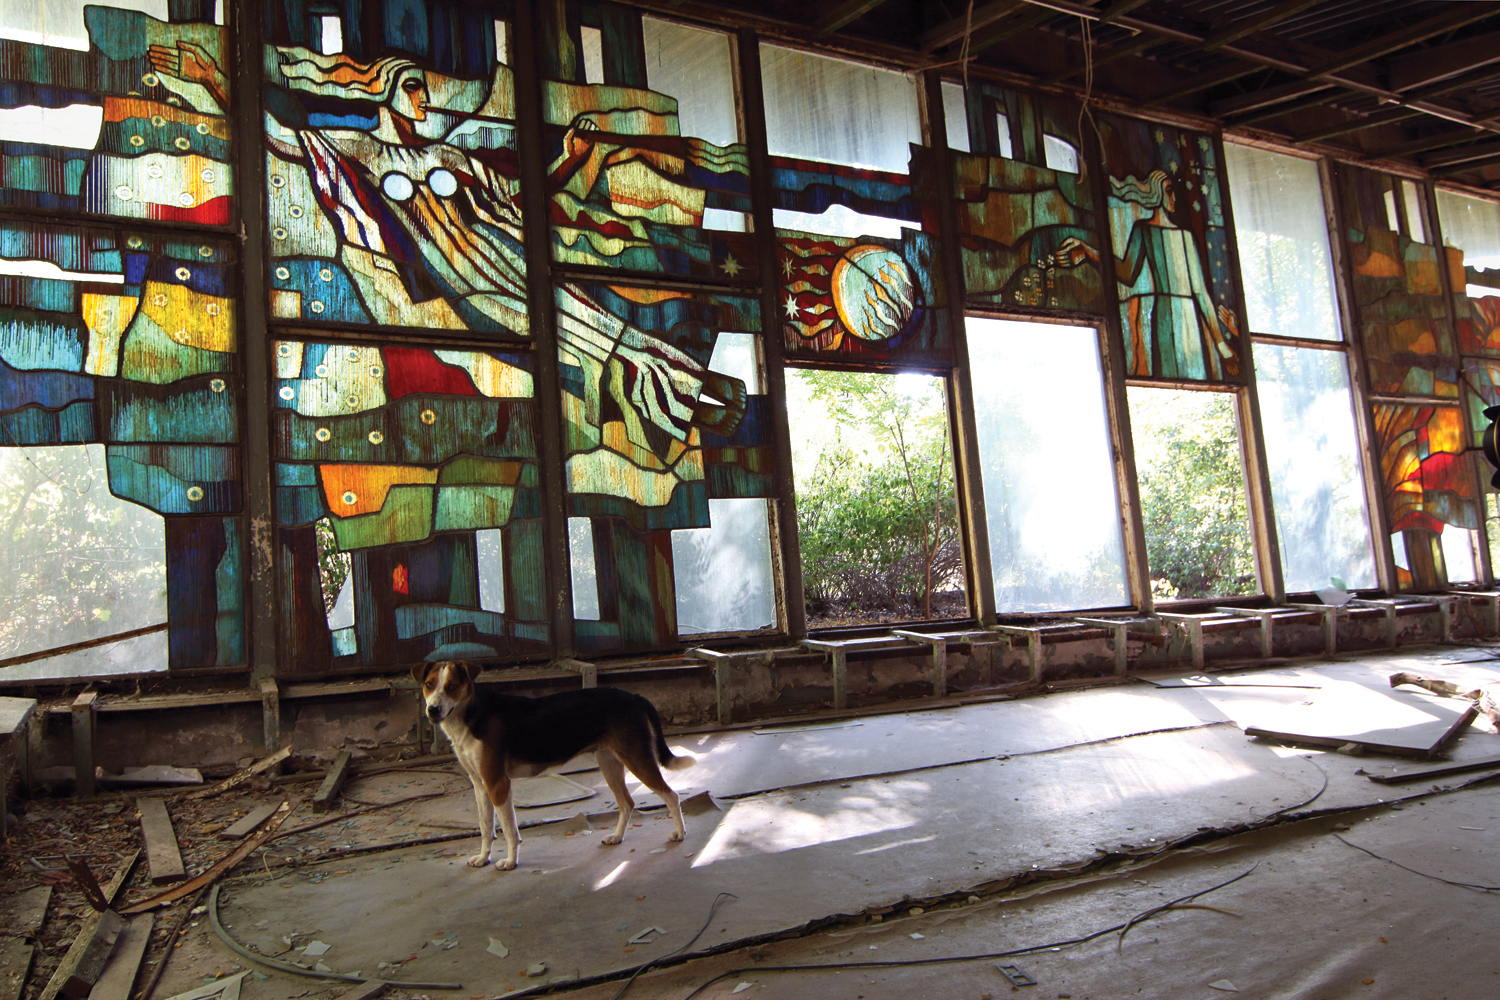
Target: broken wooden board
{"x":240,"y":777}
{"x":547,"y":790}
{"x":91,"y":922}
{"x":1489,"y":763}
{"x":223,"y":865}
{"x":152,"y":775}
{"x":249,"y":822}
{"x":86,"y":969}
{"x":22,"y":914}
{"x":329,"y":790}
{"x":161,"y":842}
{"x":118,"y":978}
{"x":15,"y":963}
{"x":1402,"y":722}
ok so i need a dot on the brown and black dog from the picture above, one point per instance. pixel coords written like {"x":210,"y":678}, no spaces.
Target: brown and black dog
{"x":498,"y":737}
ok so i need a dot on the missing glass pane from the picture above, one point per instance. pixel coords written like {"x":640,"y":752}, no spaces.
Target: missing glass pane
{"x":723,"y":572}
{"x":1046,"y":463}
{"x":593,"y":55}
{"x":1002,"y":133}
{"x":76,"y":125}
{"x":585,"y":575}
{"x":839,"y":220}
{"x":1312,"y":450}
{"x":502,"y":42}
{"x":1412,"y":194}
{"x":1192,"y":489}
{"x":490,"y":557}
{"x":876,"y":505}
{"x":696,"y":67}
{"x":955,"y":116}
{"x":1060,"y":154}
{"x":331,"y":35}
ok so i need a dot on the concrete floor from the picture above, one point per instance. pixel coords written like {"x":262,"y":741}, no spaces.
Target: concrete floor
{"x":1055,"y":815}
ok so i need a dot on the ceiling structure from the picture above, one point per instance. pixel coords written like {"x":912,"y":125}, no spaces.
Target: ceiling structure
{"x":1396,"y":81}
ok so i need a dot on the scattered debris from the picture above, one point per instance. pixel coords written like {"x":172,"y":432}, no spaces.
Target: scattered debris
{"x":123,"y":966}
{"x":643,"y":937}
{"x":315,"y":949}
{"x":696,"y":805}
{"x":251,"y":820}
{"x":328,"y":791}
{"x":242,"y":776}
{"x":497,"y":949}
{"x":1224,"y":985}
{"x":1015,"y":976}
{"x":150,"y":775}
{"x":1486,"y":699}
{"x":742,"y":987}
{"x":536,"y":969}
{"x":224,"y":989}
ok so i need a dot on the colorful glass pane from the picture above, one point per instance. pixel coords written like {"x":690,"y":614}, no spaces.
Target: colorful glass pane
{"x":408,"y":504}
{"x":394,"y":188}
{"x":1170,"y":252}
{"x":1430,"y":486}
{"x":134,"y":125}
{"x":119,"y":368}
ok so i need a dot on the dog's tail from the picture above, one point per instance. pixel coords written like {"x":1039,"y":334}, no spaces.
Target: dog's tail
{"x":664,"y":755}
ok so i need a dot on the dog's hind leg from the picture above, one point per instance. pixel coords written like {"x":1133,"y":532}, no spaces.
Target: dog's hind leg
{"x":651,"y":776}
{"x":614,"y":777}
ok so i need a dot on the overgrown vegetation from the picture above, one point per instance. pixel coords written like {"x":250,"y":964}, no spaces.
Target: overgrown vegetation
{"x":1192,"y":494}
{"x":877,"y":511}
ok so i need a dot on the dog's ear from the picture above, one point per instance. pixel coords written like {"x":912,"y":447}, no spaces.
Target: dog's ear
{"x":419,"y":672}
{"x":471,"y":670}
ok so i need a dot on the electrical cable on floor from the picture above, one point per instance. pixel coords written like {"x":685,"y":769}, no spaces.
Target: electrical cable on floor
{"x":760,"y":969}
{"x":695,"y":937}
{"x":1316,"y":795}
{"x":1435,"y":878}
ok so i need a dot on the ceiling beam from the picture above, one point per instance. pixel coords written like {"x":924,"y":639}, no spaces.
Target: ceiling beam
{"x":1141,"y":43}
{"x":1202,"y":83}
{"x":1478,"y":151}
{"x":1117,"y":10}
{"x":1453,"y":138}
{"x":841,"y":15}
{"x":1012,"y":26}
{"x":1444,"y":61}
{"x":1359,"y":124}
{"x":1488,"y":161}
{"x":1245,"y":104}
{"x":952,"y":31}
{"x":1280,"y":12}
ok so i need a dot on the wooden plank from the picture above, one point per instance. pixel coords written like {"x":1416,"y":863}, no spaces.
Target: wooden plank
{"x":15,"y":963}
{"x":329,"y":790}
{"x":1436,"y":772}
{"x":86,"y":932}
{"x":239,"y":854}
{"x":1420,"y":753}
{"x":89,"y":965}
{"x":22,"y":913}
{"x":118,"y":978}
{"x":253,"y":819}
{"x":161,"y":842}
{"x":82,"y":710}
{"x":240,"y":777}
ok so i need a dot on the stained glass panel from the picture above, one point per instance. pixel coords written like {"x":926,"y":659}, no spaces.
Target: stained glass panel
{"x":1170,"y":252}
{"x":394,"y":190}
{"x":1020,"y":199}
{"x":406,"y":477}
{"x":655,"y":428}
{"x":1430,"y":488}
{"x":119,"y":426}
{"x":112,"y":111}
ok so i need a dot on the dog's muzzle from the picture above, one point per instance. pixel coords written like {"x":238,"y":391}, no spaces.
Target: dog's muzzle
{"x":435,"y":713}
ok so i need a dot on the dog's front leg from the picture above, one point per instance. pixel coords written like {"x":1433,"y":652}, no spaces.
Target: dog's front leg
{"x":499,"y":799}
{"x":486,"y":825}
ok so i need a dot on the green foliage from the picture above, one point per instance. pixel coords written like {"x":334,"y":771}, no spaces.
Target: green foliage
{"x":877,"y":516}
{"x":333,"y":565}
{"x":1192,"y":494}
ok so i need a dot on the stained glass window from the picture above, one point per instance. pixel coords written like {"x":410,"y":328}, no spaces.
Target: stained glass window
{"x":1169,"y":252}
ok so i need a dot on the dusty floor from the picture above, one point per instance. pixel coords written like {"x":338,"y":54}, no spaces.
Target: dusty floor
{"x":920,"y":836}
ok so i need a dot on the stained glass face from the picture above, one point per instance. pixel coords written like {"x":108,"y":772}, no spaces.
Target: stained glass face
{"x":408,"y":504}
{"x":646,"y":171}
{"x":659,"y":421}
{"x":1399,"y":288}
{"x":1023,"y":193}
{"x":860,"y":277}
{"x":119,"y":433}
{"x":393,"y":194}
{"x":1169,"y":252}
{"x":118,"y":112}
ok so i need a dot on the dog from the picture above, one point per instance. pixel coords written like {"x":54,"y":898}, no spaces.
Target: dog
{"x":497,"y":737}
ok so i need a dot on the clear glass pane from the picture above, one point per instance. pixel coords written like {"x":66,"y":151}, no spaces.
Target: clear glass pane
{"x":877,"y":511}
{"x":1307,"y":417}
{"x":1060,"y":154}
{"x":723,"y":573}
{"x":490,"y":557}
{"x":1412,"y":193}
{"x":1283,"y":241}
{"x":1458,"y":554}
{"x":59,"y":23}
{"x":1047,"y":467}
{"x":734,"y":355}
{"x":80,"y":562}
{"x":593,"y":55}
{"x":955,"y":116}
{"x":694,"y":66}
{"x":820,"y":108}
{"x":1192,"y":487}
{"x":584,"y":573}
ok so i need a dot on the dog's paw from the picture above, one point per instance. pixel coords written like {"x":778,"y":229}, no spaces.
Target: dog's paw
{"x":610,"y":841}
{"x":676,"y":837}
{"x":479,"y":861}
{"x":505,"y":865}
